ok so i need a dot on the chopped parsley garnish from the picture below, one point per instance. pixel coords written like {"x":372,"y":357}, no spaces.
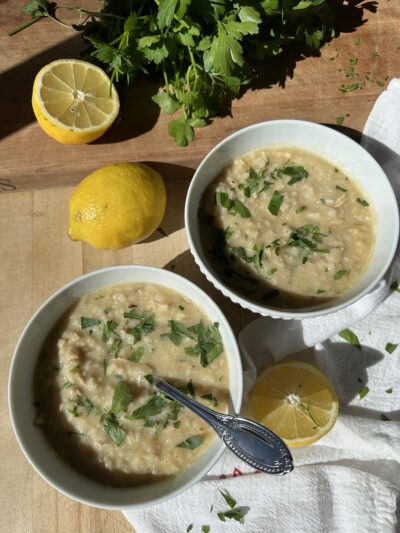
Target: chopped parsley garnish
{"x":111,"y":424}
{"x":235,"y":207}
{"x":209,"y":343}
{"x":210,"y":398}
{"x":145,"y":325}
{"x":83,"y":401}
{"x":305,"y":238}
{"x":275,"y":203}
{"x":240,"y":209}
{"x":181,"y":307}
{"x":254,"y":181}
{"x":191,"y":443}
{"x":121,"y":398}
{"x":149,"y":378}
{"x":190,"y":388}
{"x":205,"y":529}
{"x":389,"y":391}
{"x":350,"y":337}
{"x":113,"y":428}
{"x":115,"y":348}
{"x":189,"y":528}
{"x":362,"y":202}
{"x":136,"y":355}
{"x":340,"y":273}
{"x":299,"y":209}
{"x":390,"y":348}
{"x":339,"y":188}
{"x":256,"y":259}
{"x":153,"y":407}
{"x":107,"y":328}
{"x":105,"y":365}
{"x":339,"y":121}
{"x":320,"y":291}
{"x":296,"y":173}
{"x":178,"y":331}
{"x":222,"y":199}
{"x":363,"y":392}
{"x":89,"y":322}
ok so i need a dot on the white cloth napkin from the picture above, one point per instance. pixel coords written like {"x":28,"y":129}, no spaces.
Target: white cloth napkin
{"x":349,"y":481}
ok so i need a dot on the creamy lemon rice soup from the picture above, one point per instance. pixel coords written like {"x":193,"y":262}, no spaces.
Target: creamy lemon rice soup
{"x":283,"y":225}
{"x":93,"y":384}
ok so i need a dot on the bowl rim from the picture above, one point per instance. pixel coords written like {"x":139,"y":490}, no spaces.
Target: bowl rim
{"x":236,"y":402}
{"x":244,"y":302}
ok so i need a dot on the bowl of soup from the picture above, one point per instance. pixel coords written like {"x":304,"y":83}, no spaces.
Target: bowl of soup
{"x":291,"y":219}
{"x":81,"y":397}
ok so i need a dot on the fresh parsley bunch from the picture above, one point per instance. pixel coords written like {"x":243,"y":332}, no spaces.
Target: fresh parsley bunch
{"x":203,"y":51}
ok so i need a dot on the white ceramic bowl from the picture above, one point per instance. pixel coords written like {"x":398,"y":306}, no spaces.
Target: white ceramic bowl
{"x":20,"y":392}
{"x":330,"y":144}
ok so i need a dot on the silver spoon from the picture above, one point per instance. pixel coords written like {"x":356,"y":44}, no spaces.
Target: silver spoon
{"x":253,"y":443}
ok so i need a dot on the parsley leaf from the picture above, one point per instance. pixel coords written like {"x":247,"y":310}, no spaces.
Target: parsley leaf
{"x":275,"y":203}
{"x":121,"y":398}
{"x":113,"y":428}
{"x":390,"y":348}
{"x":238,"y":514}
{"x":340,"y":273}
{"x":350,"y":337}
{"x":228,"y":498}
{"x":136,"y":355}
{"x":362,"y":202}
{"x":153,"y":407}
{"x":210,"y":398}
{"x":178,"y":331}
{"x":363,"y":392}
{"x":297,"y":173}
{"x":191,"y":443}
{"x":89,"y":322}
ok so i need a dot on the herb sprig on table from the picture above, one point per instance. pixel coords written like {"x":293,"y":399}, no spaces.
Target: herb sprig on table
{"x":204,"y":53}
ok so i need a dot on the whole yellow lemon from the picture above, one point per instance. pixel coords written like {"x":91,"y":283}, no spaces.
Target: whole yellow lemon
{"x":117,"y":205}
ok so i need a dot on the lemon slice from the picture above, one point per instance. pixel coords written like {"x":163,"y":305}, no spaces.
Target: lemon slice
{"x":72,"y":101}
{"x":296,"y":401}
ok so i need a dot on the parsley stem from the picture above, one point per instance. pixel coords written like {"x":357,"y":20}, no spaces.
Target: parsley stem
{"x":24,"y":25}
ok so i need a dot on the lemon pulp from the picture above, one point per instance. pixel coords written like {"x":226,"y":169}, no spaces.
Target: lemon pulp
{"x":74,"y":101}
{"x":296,"y":401}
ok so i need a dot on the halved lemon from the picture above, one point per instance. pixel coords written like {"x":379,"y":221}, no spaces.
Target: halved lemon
{"x":296,"y":401}
{"x":74,"y":101}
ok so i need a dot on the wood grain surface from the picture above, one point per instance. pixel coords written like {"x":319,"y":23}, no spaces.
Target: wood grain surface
{"x":37,"y":176}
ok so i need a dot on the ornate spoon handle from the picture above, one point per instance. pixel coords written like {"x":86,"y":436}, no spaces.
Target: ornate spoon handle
{"x":253,"y":443}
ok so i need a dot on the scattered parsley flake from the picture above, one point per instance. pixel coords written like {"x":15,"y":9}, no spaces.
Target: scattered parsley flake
{"x":390,"y":348}
{"x":350,"y":337}
{"x":339,"y":188}
{"x":389,"y":391}
{"x":205,"y":529}
{"x":363,"y":392}
{"x":228,"y":498}
{"x":395,"y":286}
{"x":121,"y":398}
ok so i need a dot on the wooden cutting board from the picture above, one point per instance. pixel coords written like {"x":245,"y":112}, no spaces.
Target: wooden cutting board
{"x":37,"y":175}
